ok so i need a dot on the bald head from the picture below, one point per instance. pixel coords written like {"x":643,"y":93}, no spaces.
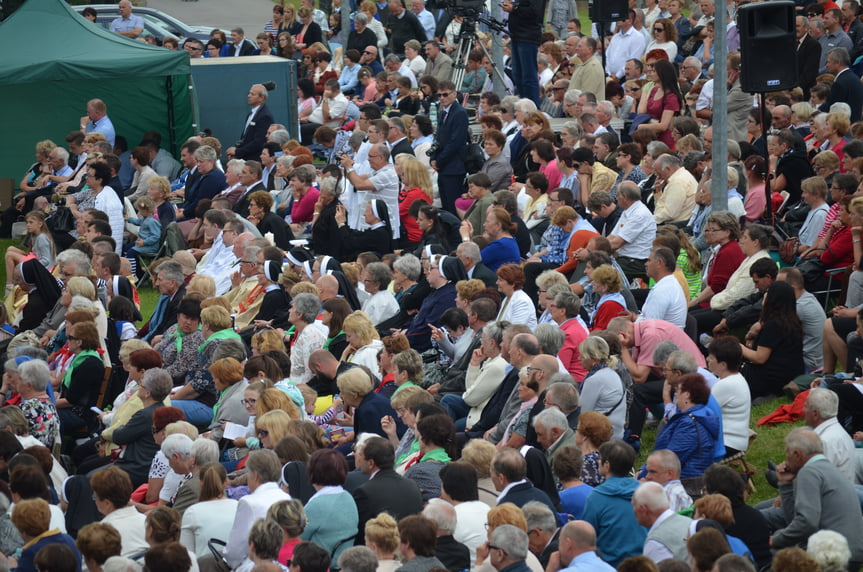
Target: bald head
{"x":328,"y":287}
{"x":579,"y":536}
{"x":781,"y":117}
{"x":548,"y":364}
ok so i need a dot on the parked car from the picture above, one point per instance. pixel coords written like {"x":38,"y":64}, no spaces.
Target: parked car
{"x":156,"y":22}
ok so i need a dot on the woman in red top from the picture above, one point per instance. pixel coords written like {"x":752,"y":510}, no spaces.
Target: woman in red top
{"x":663,"y":102}
{"x":831,"y":129}
{"x":416,"y":185}
{"x":840,"y":249}
{"x":610,"y":304}
{"x":722,"y":229}
{"x":323,"y":71}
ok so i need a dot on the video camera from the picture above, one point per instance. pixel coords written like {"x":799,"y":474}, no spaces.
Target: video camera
{"x":464,"y":8}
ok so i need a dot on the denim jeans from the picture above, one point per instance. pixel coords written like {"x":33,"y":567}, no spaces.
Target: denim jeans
{"x":524,"y":70}
{"x":196,"y":412}
{"x":457,"y":409}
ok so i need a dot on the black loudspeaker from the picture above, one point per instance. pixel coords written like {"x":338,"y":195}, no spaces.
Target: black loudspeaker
{"x":768,"y":46}
{"x":608,"y":10}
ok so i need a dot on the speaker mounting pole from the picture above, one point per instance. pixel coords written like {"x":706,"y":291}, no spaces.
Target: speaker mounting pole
{"x":719,"y":154}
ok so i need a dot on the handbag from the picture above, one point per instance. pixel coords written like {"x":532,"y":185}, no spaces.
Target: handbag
{"x":812,"y":269}
{"x":62,"y":220}
{"x":474,"y":158}
{"x":788,"y":249}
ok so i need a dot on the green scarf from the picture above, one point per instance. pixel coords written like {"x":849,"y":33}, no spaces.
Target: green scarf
{"x":327,"y":343}
{"x":178,"y":338}
{"x":67,"y":378}
{"x":438,"y":455}
{"x":226,"y":334}
{"x":216,"y":406}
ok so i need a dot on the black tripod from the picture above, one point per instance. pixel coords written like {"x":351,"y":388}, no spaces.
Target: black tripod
{"x":467,"y":40}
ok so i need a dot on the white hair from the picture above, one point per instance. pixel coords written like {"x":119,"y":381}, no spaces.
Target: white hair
{"x":651,"y":495}
{"x":830,"y":550}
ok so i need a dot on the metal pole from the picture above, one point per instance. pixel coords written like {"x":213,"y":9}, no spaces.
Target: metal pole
{"x":345,"y":13}
{"x":497,"y":51}
{"x":719,"y":164}
{"x":768,"y":209}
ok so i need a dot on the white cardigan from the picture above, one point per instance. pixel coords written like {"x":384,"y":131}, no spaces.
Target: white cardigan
{"x":519,"y":309}
{"x":739,"y":285}
{"x":481,"y":383}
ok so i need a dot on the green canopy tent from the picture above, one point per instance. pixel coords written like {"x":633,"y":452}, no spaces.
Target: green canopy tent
{"x":55,"y":61}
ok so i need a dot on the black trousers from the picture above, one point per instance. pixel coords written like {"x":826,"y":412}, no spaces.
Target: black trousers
{"x":644,"y":395}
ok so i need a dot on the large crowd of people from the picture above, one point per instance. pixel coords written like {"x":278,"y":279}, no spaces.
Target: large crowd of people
{"x":370,"y":352}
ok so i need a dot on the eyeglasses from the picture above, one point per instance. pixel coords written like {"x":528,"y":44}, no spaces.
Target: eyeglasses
{"x":369,"y":53}
{"x":70,"y":338}
{"x":159,"y":430}
{"x":491,"y":547}
{"x":248,"y":262}
{"x":444,"y":94}
{"x":249,"y":401}
{"x":659,"y":29}
{"x":713,"y":230}
{"x":558,"y":88}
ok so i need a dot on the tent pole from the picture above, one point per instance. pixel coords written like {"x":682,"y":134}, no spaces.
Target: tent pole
{"x":171,"y":127}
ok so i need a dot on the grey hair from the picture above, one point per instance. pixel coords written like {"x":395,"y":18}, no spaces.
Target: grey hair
{"x":120,"y":564}
{"x":380,"y":274}
{"x":171,"y":270}
{"x":507,"y":104}
{"x":177,"y":443}
{"x":657,"y":148}
{"x":328,"y":186}
{"x":78,"y":258}
{"x":358,"y":558}
{"x":571,"y":96}
{"x":409,"y":265}
{"x":825,"y":401}
{"x":36,"y":374}
{"x":549,"y":277}
{"x":251,"y":251}
{"x":443,"y":514}
{"x":804,"y":440}
{"x":569,"y":302}
{"x":538,"y":515}
{"x":397,"y":123}
{"x":551,"y":418}
{"x":840,"y":56}
{"x":286,"y":161}
{"x":562,"y":392}
{"x":205,"y":451}
{"x":668,"y":460}
{"x":230,"y":348}
{"x":830,"y":550}
{"x":525,"y":105}
{"x":392,"y":59}
{"x":31,"y":352}
{"x":667,"y":160}
{"x":542,"y":59}
{"x":840,"y":107}
{"x":802,"y":110}
{"x":280,"y":137}
{"x":471,"y":250}
{"x":556,"y":289}
{"x":550,"y":337}
{"x":235,"y":166}
{"x":495,"y":331}
{"x":805,"y":20}
{"x":663,"y":351}
{"x":382,"y":150}
{"x":818,"y":23}
{"x":692,"y":61}
{"x":512,"y":540}
{"x":205,"y":153}
{"x":683,"y":361}
{"x":629,"y":190}
{"x":652,"y":495}
{"x":158,"y":382}
{"x":62,"y":154}
{"x":358,"y":136}
{"x":308,"y":306}
{"x":605,"y":106}
{"x":362,"y":18}
{"x":735,"y":563}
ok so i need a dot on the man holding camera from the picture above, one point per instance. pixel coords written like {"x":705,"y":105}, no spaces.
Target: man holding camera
{"x":525,"y":29}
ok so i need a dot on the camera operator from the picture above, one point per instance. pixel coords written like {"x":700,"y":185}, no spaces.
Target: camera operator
{"x":525,"y":29}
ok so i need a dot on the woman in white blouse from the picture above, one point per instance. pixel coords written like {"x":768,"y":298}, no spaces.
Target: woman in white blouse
{"x":212,"y":516}
{"x":516,"y":307}
{"x":309,"y":337}
{"x":363,"y":341}
{"x":381,"y":305}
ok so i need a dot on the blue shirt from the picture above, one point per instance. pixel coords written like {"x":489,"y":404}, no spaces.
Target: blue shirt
{"x":348,"y":80}
{"x":126,"y":25}
{"x":501,"y":251}
{"x":588,"y":562}
{"x":103,"y":126}
{"x":427,"y":20}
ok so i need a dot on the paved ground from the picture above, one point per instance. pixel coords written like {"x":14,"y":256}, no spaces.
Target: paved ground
{"x":251,"y":15}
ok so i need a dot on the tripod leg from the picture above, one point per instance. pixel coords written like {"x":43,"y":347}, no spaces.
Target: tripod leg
{"x":465,"y":45}
{"x":497,"y":72}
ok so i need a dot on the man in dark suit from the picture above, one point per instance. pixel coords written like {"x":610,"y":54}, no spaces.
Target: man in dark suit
{"x":846,"y":87}
{"x":808,"y":56}
{"x":542,"y":531}
{"x":397,"y":138}
{"x":269,"y":154}
{"x":451,"y":138}
{"x":255,"y":128}
{"x":386,"y":490}
{"x":469,"y":254}
{"x":238,"y":39}
{"x":208,"y":185}
{"x":509,"y":475}
{"x":453,"y":554}
{"x":250,"y":177}
{"x":171,"y":284}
